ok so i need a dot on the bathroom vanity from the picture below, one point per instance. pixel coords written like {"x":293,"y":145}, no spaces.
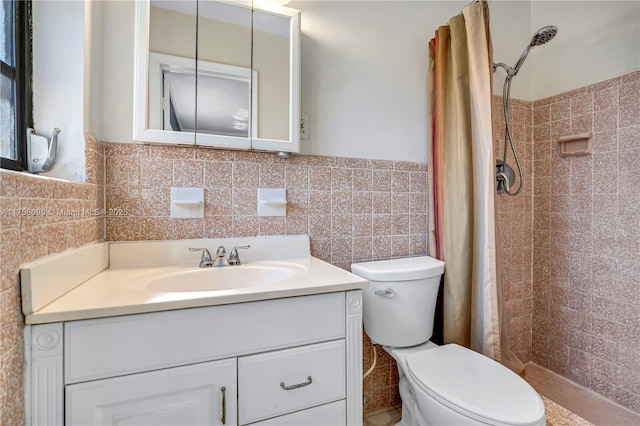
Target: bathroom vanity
{"x":120,"y":347}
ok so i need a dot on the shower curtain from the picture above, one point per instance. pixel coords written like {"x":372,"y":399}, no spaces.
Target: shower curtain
{"x":462,"y":190}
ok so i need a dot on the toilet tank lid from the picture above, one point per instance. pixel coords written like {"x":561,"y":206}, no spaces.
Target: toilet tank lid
{"x":404,"y":269}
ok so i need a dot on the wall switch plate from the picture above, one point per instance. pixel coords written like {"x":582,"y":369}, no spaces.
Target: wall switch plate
{"x":304,"y":126}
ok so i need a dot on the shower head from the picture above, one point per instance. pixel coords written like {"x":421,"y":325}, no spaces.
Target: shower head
{"x":542,"y":36}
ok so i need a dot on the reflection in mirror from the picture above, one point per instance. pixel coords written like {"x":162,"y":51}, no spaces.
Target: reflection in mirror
{"x":271,"y":60}
{"x":172,"y":83}
{"x":226,"y":98}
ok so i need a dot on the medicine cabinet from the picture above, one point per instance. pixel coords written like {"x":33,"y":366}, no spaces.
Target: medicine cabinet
{"x":217,"y":74}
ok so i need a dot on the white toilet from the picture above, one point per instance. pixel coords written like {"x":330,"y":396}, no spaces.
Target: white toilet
{"x":439,"y":385}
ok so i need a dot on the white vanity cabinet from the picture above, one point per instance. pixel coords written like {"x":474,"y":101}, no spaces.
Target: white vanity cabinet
{"x":289,"y":361}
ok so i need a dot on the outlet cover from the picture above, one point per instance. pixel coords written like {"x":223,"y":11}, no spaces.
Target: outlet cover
{"x":304,"y":126}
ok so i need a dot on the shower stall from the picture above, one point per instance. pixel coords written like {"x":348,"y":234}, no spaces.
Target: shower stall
{"x":568,"y":241}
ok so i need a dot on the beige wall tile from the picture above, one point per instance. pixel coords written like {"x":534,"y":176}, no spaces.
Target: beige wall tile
{"x":188,"y":173}
{"x":590,"y":253}
{"x":272,"y":176}
{"x":27,"y":236}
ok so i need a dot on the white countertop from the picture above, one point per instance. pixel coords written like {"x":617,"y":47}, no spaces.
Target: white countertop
{"x":123,"y":290}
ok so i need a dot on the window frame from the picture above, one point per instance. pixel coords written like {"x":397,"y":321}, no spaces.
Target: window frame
{"x":23,"y":83}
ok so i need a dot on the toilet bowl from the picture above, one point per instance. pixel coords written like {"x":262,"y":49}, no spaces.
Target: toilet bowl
{"x":439,"y":385}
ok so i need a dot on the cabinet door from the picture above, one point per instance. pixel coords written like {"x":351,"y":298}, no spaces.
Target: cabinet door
{"x":200,"y":394}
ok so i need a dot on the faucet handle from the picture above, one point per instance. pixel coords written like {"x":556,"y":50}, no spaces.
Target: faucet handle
{"x":234,"y":259}
{"x":205,"y":261}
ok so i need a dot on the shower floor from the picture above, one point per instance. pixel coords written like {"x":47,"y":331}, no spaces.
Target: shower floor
{"x":577,"y":399}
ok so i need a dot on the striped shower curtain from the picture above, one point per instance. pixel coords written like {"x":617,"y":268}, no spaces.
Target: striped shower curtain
{"x":462,"y":189}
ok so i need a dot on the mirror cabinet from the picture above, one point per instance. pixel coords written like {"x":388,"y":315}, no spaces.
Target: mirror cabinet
{"x":217,"y":74}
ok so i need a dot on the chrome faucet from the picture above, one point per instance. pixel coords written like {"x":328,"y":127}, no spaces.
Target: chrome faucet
{"x":221,"y":257}
{"x":234,"y":259}
{"x":205,"y":261}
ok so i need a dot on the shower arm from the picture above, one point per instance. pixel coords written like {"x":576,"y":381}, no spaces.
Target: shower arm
{"x":506,"y":67}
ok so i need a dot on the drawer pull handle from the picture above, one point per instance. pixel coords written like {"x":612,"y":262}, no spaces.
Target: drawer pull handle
{"x":299,"y":385}
{"x":224,"y":405}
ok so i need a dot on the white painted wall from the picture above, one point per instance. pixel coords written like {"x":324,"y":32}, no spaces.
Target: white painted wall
{"x":58,"y":81}
{"x":364,"y":71}
{"x":596,"y":41}
{"x":364,"y":76}
{"x":511,"y":33}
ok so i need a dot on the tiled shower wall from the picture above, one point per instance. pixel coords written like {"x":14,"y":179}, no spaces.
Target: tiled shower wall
{"x":586,"y":266}
{"x":352,"y":209}
{"x":38,"y":217}
{"x":514,"y":223}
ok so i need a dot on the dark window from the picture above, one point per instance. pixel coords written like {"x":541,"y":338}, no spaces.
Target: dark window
{"x":15,"y":82}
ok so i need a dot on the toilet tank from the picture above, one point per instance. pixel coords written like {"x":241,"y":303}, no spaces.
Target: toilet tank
{"x":399,"y":304}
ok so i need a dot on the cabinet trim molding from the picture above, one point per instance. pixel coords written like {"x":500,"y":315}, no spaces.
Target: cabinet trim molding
{"x":44,"y":387}
{"x":354,"y":357}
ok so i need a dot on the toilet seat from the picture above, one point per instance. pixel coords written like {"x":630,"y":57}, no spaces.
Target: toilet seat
{"x":475,"y":386}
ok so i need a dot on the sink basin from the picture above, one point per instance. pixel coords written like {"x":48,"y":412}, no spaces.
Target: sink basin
{"x":223,"y":278}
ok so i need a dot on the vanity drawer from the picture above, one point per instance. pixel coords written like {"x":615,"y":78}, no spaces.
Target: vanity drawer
{"x":280,"y":382}
{"x":333,"y":414}
{"x":116,"y":346}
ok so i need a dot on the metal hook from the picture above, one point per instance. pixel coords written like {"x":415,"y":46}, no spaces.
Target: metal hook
{"x":41,"y":152}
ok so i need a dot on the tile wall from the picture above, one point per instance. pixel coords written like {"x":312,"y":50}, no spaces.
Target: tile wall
{"x":515,"y":225}
{"x":586,"y":239}
{"x":353,"y":210}
{"x":38,"y":216}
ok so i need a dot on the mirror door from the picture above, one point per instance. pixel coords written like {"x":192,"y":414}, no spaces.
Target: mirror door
{"x":276,"y":66}
{"x":226,"y":98}
{"x":165,"y":92}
